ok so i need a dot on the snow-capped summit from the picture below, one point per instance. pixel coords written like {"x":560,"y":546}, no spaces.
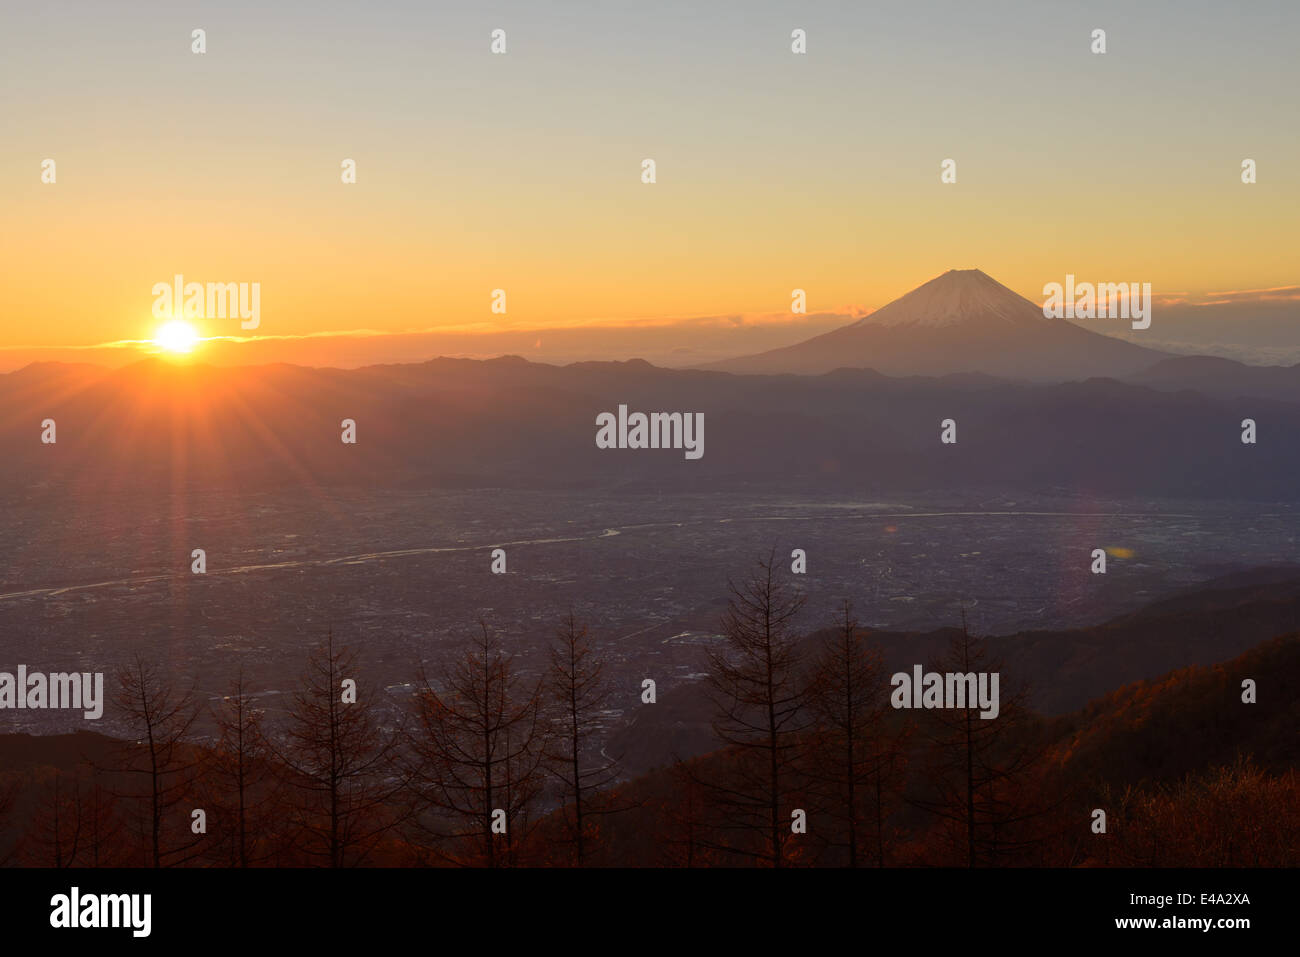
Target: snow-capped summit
{"x":961,"y":321}
{"x":959,"y":295}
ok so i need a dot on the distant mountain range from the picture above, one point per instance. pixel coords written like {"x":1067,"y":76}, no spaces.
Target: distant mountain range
{"x":962,"y":321}
{"x":1172,"y":430}
{"x":1222,"y":377}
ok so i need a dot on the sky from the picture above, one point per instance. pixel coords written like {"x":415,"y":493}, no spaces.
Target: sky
{"x":522,"y":171}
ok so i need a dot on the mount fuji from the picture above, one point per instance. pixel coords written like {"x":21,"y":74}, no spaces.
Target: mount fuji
{"x":962,"y":321}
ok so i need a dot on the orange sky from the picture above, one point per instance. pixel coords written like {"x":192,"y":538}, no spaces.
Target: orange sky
{"x":522,"y":172}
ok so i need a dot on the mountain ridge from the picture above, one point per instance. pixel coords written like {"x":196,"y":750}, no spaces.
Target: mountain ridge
{"x":962,"y":321}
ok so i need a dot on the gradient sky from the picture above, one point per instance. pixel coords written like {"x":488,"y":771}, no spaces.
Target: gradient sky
{"x":523,"y":171}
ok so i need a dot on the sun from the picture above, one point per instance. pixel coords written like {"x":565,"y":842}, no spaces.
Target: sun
{"x":176,"y":336}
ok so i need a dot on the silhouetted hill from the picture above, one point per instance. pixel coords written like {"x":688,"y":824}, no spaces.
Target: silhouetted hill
{"x":1223,"y":378}
{"x":511,"y":423}
{"x":1184,"y":721}
{"x":1186,"y":762}
{"x":1160,"y":741}
{"x":22,"y":752}
{"x":1064,"y":669}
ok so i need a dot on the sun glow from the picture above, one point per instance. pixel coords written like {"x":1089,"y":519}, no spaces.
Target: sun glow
{"x":176,"y":336}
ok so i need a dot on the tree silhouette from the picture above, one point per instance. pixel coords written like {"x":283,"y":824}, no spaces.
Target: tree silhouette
{"x":578,"y":696}
{"x":241,"y":780}
{"x":73,"y":825}
{"x":160,"y":767}
{"x":681,"y":834}
{"x":981,"y":777}
{"x":856,"y":761}
{"x":759,"y":693}
{"x":478,"y":743}
{"x":341,"y":765}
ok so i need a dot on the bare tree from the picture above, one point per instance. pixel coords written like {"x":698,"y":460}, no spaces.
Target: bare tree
{"x":340,"y":763}
{"x":680,"y":830}
{"x":73,"y":824}
{"x":478,"y":743}
{"x":855,"y":760}
{"x":98,"y":845}
{"x":242,"y":782}
{"x":578,"y":696}
{"x":978,"y":768}
{"x":160,"y":759}
{"x":759,"y":691}
{"x":53,"y":835}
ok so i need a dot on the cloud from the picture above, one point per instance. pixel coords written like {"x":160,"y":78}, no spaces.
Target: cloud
{"x":1275,"y":294}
